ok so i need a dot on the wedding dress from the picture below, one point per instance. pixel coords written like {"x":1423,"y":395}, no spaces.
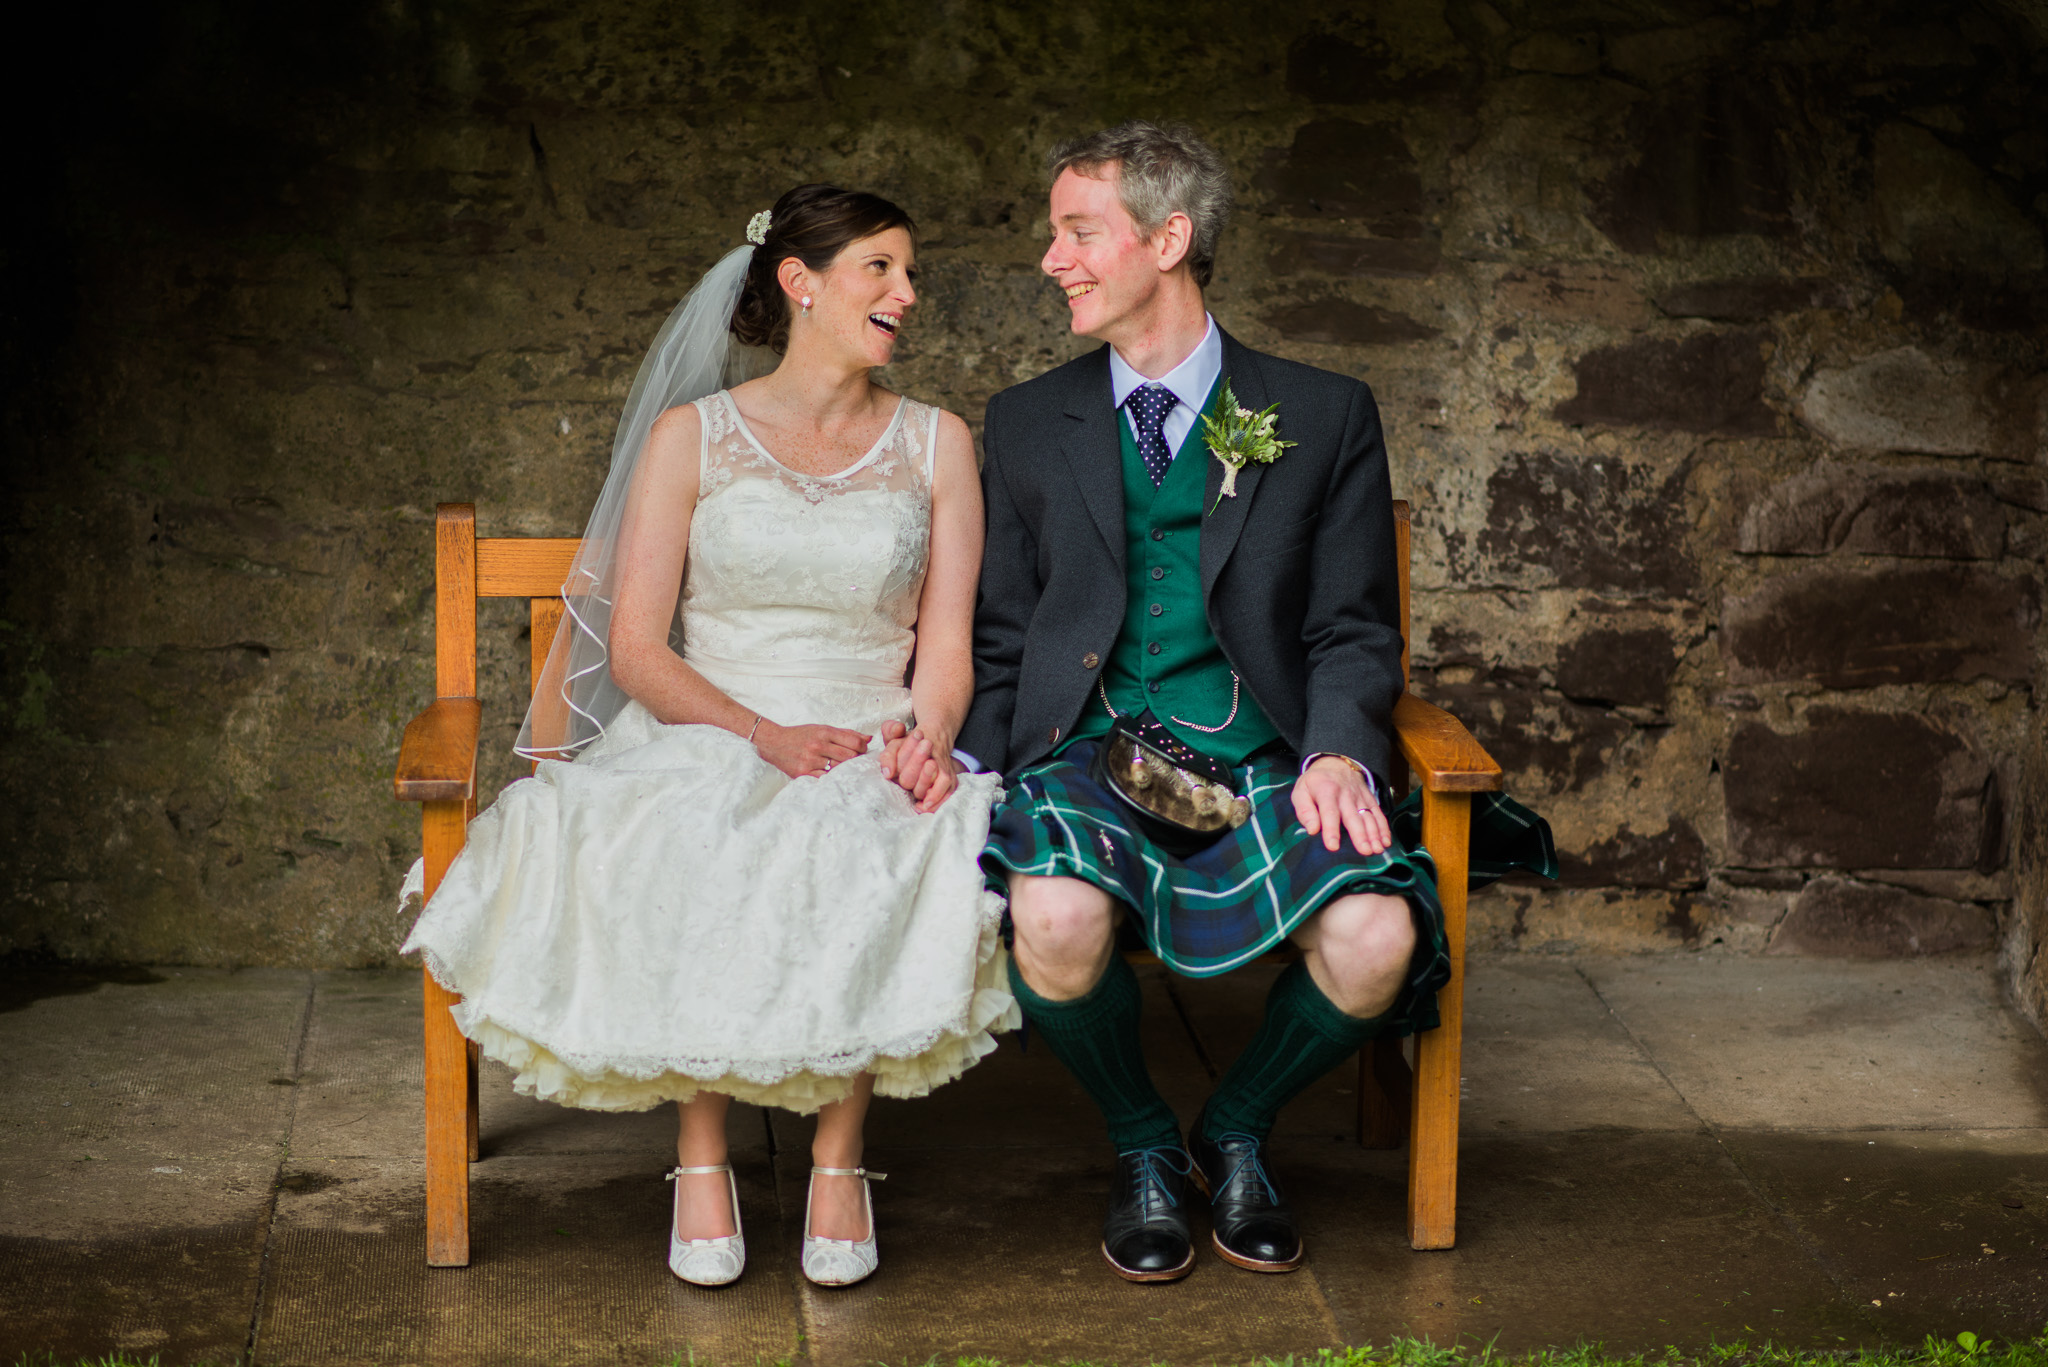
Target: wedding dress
{"x":669,"y":911}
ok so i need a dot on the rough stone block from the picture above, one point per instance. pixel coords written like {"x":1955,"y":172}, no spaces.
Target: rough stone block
{"x":1310,"y":253}
{"x":1341,"y":168}
{"x":1540,"y":740}
{"x":1340,"y":322}
{"x":1582,"y":294}
{"x":1750,"y":298}
{"x":1713,"y":161}
{"x":1579,"y":522}
{"x":1936,"y":207}
{"x":1873,"y":511}
{"x":1907,"y":400}
{"x":1843,"y":918}
{"x":1333,"y":70}
{"x":1627,"y":667}
{"x":1847,"y":627}
{"x":1710,"y":383}
{"x":1873,"y":790}
{"x":1674,"y":857}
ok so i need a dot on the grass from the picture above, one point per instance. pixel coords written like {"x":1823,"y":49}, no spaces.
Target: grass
{"x":1964,"y":1350}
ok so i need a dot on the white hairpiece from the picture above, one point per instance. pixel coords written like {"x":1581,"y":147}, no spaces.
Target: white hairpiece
{"x":757,"y":227}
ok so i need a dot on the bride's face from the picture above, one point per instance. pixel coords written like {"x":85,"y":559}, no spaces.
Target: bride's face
{"x":858,"y":303}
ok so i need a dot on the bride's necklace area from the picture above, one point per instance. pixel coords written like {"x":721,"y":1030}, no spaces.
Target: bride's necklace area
{"x":818,"y":455}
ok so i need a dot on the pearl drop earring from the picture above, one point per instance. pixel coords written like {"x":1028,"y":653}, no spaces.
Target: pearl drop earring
{"x":806,"y":302}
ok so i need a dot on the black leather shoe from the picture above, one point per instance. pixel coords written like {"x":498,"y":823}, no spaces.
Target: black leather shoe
{"x":1146,"y":1236}
{"x":1253,"y":1226}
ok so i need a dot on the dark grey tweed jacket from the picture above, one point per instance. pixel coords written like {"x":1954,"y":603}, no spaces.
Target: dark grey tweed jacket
{"x":1297,"y":570}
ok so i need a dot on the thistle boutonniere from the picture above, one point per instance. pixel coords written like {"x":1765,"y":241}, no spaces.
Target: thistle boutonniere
{"x":1238,"y":438}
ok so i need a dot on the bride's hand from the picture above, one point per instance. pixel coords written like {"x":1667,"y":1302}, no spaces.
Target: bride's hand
{"x":938,"y":778}
{"x":807,"y":751}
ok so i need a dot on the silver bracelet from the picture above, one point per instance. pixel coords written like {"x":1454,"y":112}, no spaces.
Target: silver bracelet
{"x":752,"y":729}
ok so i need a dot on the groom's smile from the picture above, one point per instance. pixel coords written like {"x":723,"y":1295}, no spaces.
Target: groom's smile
{"x":1115,"y":278}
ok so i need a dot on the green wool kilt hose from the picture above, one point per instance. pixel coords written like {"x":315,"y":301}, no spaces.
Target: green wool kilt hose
{"x":1225,"y":905}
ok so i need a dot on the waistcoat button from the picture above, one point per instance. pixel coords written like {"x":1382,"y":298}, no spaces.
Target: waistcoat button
{"x":1158,"y":535}
{"x":1158,"y":573}
{"x":1156,"y":609}
{"x":1152,"y":649}
{"x":1090,"y":660}
{"x":1151,"y":688}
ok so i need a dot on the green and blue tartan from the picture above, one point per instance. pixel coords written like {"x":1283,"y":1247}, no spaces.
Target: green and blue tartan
{"x":1225,"y":905}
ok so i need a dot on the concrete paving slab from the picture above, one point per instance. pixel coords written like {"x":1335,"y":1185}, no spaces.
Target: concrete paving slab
{"x":152,"y":1258}
{"x":174,"y":1289}
{"x":570,"y":1267}
{"x":1831,"y":1044}
{"x":195,"y":1065}
{"x":999,"y":1255}
{"x":1636,"y":1241}
{"x":1022,"y":1095}
{"x":1934,"y":1231}
{"x":360,"y":1090}
{"x":1542,"y":1053}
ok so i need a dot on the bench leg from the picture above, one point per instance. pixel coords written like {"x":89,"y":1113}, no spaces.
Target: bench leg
{"x":1385,"y":1092}
{"x":1433,"y":1140}
{"x":451,"y":1111}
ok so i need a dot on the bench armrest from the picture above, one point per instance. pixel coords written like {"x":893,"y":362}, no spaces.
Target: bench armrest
{"x":1440,"y":751}
{"x":437,"y":760}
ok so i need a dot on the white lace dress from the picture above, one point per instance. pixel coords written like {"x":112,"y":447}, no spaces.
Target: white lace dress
{"x":670,"y":912}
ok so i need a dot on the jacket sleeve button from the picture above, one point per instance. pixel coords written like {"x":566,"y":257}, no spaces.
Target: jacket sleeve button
{"x":1090,"y":660}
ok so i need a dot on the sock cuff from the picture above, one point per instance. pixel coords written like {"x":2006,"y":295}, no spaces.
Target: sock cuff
{"x":1115,"y":994}
{"x":1295,"y":992}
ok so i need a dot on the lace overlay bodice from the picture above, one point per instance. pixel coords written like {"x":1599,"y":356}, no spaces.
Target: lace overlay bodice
{"x":796,"y":574}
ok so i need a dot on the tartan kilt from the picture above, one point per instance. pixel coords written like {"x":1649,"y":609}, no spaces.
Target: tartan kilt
{"x":1225,"y":905}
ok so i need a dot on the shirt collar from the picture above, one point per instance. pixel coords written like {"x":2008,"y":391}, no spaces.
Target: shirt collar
{"x":1190,"y":381}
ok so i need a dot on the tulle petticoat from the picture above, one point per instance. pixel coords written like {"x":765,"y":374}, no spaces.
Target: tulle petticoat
{"x":671,"y":913}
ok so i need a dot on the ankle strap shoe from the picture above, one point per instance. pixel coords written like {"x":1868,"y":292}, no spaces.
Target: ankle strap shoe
{"x":706,"y":1262}
{"x":842,"y":1262}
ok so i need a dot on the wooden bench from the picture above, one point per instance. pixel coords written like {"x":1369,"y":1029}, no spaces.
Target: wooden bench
{"x":437,"y":769}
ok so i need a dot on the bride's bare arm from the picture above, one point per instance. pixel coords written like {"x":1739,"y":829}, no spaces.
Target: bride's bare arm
{"x":943,"y":683}
{"x":654,"y":539}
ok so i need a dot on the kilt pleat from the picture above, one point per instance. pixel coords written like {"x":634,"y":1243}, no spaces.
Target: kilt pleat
{"x":1225,"y":905}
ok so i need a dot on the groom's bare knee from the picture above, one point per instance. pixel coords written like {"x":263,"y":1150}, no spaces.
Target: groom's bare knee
{"x":1358,"y":950}
{"x":1065,"y":932}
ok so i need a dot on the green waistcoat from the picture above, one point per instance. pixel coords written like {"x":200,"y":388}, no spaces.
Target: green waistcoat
{"x":1165,"y":657}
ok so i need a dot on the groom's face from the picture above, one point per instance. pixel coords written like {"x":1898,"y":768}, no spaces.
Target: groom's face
{"x":1109,"y":272}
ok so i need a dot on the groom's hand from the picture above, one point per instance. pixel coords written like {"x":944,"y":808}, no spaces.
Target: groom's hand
{"x":1331,"y":799}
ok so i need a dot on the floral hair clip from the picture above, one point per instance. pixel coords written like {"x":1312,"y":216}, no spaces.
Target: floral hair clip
{"x":757,"y":227}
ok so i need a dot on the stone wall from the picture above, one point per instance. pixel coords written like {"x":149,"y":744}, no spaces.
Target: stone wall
{"x":1708,"y":339}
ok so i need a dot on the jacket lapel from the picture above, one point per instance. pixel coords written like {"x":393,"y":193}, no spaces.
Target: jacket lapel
{"x":1094,"y":455}
{"x":1220,"y":529}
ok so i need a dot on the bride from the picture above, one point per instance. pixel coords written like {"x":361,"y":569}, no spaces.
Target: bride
{"x":746,"y":864}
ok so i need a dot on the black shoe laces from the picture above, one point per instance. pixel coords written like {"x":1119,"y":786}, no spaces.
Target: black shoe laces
{"x":1248,"y":1162}
{"x":1152,"y":1185}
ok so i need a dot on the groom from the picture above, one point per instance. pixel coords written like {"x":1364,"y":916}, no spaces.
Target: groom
{"x":1260,"y":630}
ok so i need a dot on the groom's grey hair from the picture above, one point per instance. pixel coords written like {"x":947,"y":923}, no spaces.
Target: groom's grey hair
{"x":1163,"y":170}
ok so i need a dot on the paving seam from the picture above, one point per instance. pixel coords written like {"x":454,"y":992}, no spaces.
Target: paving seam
{"x":1187,"y":1023}
{"x":1796,"y":1231}
{"x":298,"y":1068}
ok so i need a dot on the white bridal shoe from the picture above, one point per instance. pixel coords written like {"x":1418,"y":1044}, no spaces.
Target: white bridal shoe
{"x":707,"y":1262}
{"x":841,"y":1262}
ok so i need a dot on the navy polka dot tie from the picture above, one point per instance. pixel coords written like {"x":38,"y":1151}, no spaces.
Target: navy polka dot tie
{"x":1149,"y":405}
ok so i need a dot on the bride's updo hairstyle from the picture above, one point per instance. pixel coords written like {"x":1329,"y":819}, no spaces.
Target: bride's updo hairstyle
{"x":812,"y":223}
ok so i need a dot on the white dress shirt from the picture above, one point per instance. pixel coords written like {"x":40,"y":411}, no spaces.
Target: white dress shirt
{"x":1190,"y":382}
